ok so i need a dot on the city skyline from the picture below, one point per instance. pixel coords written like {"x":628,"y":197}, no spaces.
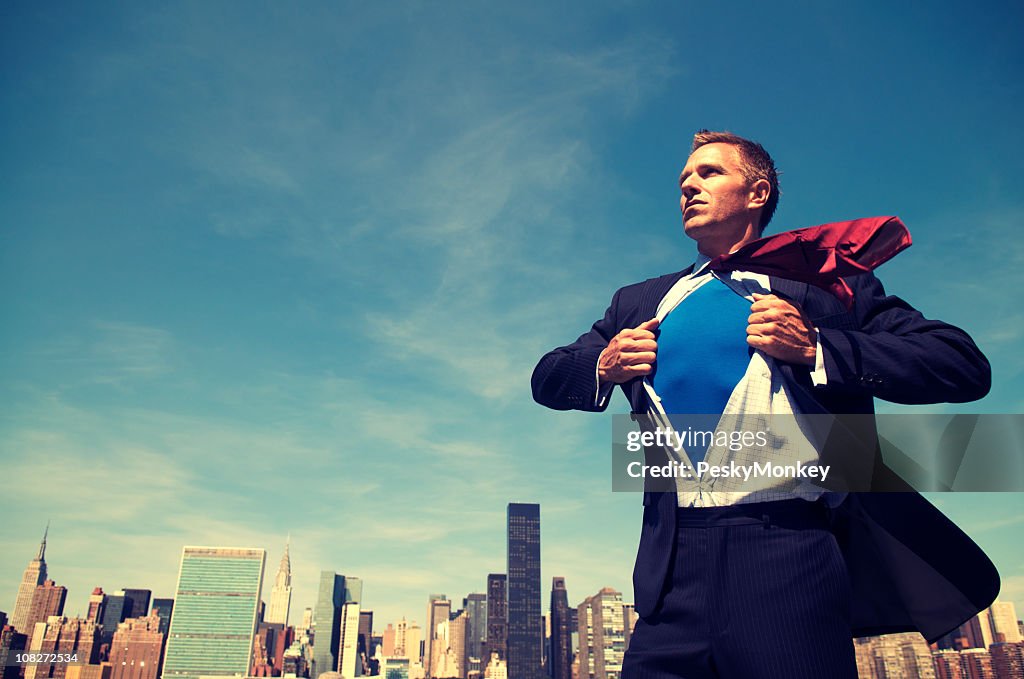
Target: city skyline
{"x":384,"y":611}
{"x":226,"y":582}
{"x":268,"y":272}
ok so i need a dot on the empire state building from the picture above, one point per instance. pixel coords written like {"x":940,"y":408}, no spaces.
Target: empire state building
{"x":35,"y":575}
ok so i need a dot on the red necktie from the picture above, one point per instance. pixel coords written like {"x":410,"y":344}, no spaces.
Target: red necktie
{"x":819,"y":255}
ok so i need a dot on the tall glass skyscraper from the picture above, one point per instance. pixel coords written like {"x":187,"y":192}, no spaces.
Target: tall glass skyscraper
{"x":476,"y":630}
{"x":215,"y":612}
{"x":136,"y":603}
{"x":497,"y":617}
{"x":164,"y":608}
{"x":336,"y":622}
{"x":113,"y":615}
{"x":560,"y":660}
{"x":525,"y":631}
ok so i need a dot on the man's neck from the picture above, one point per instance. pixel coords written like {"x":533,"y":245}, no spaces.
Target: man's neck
{"x":714,"y":250}
{"x":728,"y":241}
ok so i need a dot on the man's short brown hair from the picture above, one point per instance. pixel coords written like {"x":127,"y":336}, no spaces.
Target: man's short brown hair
{"x":755,"y":164}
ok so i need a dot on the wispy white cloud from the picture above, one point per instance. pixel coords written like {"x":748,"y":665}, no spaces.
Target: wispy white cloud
{"x":112,"y":352}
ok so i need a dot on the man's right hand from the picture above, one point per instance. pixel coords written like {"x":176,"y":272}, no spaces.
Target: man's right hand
{"x":630,"y":354}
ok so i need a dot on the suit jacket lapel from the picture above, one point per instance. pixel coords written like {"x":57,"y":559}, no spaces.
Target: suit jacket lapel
{"x":651,"y":295}
{"x":655,"y":290}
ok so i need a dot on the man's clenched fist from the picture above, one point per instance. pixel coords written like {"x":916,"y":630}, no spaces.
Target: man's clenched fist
{"x":782,"y":330}
{"x":630,"y":354}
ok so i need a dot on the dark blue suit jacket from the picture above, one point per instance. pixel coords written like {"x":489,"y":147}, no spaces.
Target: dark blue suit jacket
{"x":910,"y":567}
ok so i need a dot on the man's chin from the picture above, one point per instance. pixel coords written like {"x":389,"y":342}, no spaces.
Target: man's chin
{"x":692,"y":226}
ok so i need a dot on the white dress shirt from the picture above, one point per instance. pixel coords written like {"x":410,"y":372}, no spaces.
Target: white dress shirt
{"x":761,"y":401}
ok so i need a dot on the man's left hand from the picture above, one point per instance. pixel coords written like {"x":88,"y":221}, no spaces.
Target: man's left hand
{"x":782,"y":330}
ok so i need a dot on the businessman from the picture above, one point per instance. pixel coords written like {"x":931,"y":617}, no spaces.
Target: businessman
{"x":773,"y":581}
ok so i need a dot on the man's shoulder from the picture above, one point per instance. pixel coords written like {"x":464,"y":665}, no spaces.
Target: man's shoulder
{"x":656,"y":282}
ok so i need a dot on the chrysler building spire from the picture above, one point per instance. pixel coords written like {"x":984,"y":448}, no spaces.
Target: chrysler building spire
{"x":281,"y":594}
{"x":284,"y":571}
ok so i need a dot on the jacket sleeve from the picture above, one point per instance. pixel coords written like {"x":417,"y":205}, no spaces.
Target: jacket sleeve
{"x":566,"y":377}
{"x":898,"y":355}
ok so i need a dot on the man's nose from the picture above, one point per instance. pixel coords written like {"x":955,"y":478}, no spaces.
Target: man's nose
{"x":689,"y":187}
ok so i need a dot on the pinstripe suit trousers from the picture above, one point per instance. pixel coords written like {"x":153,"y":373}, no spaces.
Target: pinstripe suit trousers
{"x":758,"y":591}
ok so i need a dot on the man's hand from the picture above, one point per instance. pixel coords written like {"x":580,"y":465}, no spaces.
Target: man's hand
{"x":782,"y":330}
{"x":630,"y":354}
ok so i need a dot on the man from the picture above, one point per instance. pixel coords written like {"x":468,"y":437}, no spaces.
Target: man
{"x":772,"y":583}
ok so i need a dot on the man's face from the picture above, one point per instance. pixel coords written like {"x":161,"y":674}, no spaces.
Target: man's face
{"x":716,"y":198}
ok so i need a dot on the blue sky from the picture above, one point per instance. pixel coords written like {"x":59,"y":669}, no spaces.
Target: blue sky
{"x":269,"y":270}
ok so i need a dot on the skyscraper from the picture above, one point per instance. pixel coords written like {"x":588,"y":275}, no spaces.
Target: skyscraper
{"x":976,"y":663}
{"x":365,"y":644}
{"x":476,"y":628}
{"x":34,"y":575}
{"x":326,"y":623}
{"x":12,"y":642}
{"x":1007,"y":659}
{"x":136,"y":603}
{"x":348,"y":642}
{"x":525,"y":634}
{"x":978,"y":630}
{"x":136,"y":646}
{"x":407,"y":641}
{"x":60,"y":635}
{"x":164,"y":608}
{"x":116,"y":607}
{"x":1003,"y":617}
{"x":413,"y":637}
{"x":496,"y":668}
{"x":215,"y":607}
{"x":629,"y":619}
{"x":336,"y":622}
{"x":602,"y":635}
{"x":561,"y":631}
{"x":269,"y":646}
{"x":281,"y":594}
{"x":947,"y":664}
{"x":307,"y":622}
{"x":497,"y":617}
{"x":96,"y":602}
{"x":47,"y":600}
{"x":458,"y":624}
{"x":898,"y":655}
{"x":438,"y":610}
{"x":387,"y":646}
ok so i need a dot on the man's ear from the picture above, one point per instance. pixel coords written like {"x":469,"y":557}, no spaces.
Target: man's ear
{"x":759,"y":192}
